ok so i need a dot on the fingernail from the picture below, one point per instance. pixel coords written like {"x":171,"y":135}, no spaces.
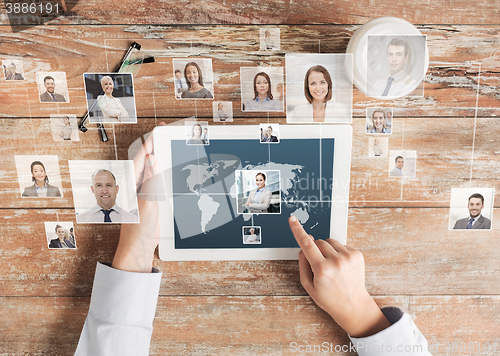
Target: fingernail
{"x":293,"y":218}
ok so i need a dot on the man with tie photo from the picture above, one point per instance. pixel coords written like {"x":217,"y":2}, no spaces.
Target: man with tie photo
{"x":106,"y":210}
{"x":50,"y":96}
{"x":475,"y":220}
{"x":399,"y":83}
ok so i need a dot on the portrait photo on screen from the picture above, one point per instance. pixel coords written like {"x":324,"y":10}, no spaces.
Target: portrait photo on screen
{"x":402,"y":163}
{"x":193,"y":78}
{"x":110,"y":98}
{"x":39,"y":176}
{"x":378,"y":147}
{"x":104,"y":191}
{"x":222,"y":111}
{"x":396,"y":65}
{"x":318,"y":89}
{"x":52,"y":87}
{"x":269,"y":133}
{"x":378,"y":120}
{"x":252,"y":235}
{"x":64,"y":127}
{"x":13,"y":69}
{"x":258,"y":192}
{"x":269,"y":39}
{"x":196,"y":132}
{"x":261,"y":88}
{"x":471,"y":208}
{"x":60,"y":235}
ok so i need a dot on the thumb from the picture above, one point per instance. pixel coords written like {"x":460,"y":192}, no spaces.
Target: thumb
{"x":148,"y":189}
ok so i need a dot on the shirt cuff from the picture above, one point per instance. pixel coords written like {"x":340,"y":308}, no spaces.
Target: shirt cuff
{"x":125,"y":297}
{"x":401,"y":338}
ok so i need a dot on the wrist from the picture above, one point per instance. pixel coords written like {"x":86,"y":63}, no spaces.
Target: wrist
{"x":363,"y":319}
{"x":133,"y":258}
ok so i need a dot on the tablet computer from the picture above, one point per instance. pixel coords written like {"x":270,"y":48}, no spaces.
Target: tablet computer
{"x":230,"y":197}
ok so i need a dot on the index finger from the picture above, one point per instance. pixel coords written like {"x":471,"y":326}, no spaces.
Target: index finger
{"x":306,"y":243}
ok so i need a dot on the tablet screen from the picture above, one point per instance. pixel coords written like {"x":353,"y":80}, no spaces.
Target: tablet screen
{"x":212,"y":184}
{"x":233,"y":193}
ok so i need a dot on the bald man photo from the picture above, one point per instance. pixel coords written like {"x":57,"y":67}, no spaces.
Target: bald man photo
{"x":105,"y":191}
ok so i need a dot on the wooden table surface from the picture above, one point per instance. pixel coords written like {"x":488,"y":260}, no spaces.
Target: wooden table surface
{"x":447,"y":280}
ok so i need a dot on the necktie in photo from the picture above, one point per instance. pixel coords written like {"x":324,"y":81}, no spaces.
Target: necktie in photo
{"x":53,"y":97}
{"x":388,"y":86}
{"x":106,"y":214}
{"x":469,"y":225}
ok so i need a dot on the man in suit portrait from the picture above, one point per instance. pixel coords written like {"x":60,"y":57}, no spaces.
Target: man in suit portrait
{"x":105,"y":190}
{"x":475,"y":220}
{"x":398,"y":169}
{"x":399,"y":82}
{"x":50,"y":96}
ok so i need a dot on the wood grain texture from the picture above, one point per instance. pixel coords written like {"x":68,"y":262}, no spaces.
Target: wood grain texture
{"x":403,"y":255}
{"x":258,"y":325}
{"x":272,"y":12}
{"x":447,"y":280}
{"x":454,"y":71}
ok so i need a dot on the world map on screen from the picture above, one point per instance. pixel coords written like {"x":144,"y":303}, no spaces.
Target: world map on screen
{"x":205,"y":194}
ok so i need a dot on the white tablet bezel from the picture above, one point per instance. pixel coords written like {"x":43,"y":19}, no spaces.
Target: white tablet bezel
{"x":340,"y":192}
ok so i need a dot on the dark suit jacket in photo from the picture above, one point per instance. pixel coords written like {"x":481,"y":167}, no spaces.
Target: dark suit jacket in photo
{"x":55,"y":243}
{"x":269,"y":139}
{"x":481,"y":223}
{"x":51,"y":191}
{"x":47,"y":98}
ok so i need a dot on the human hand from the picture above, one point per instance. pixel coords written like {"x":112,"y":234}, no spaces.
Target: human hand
{"x":334,"y":276}
{"x":138,"y":242}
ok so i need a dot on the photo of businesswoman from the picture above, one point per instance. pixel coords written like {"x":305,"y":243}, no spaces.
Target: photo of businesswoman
{"x":257,"y":88}
{"x":320,"y":93}
{"x":197,"y":133}
{"x":110,"y":98}
{"x":258,"y":192}
{"x":222,"y":111}
{"x":111,"y":107}
{"x":269,"y":39}
{"x":378,"y":121}
{"x":32,"y":168}
{"x":64,"y":127}
{"x":62,"y":239}
{"x":198,"y":76}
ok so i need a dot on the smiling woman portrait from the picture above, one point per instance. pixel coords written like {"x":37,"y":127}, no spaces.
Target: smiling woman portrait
{"x":41,"y":187}
{"x":318,"y":90}
{"x":111,"y":107}
{"x":259,"y":199}
{"x":378,"y":124}
{"x":194,"y":80}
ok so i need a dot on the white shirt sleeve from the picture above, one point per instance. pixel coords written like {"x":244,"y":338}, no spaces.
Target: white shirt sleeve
{"x":402,"y":338}
{"x":121,"y":313}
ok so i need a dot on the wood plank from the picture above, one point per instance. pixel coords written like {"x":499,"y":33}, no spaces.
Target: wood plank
{"x":449,"y":323}
{"x":444,"y":149}
{"x":407,"y":251}
{"x":272,"y":12}
{"x":451,"y":153}
{"x":454,"y":52}
{"x":257,"y":325}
